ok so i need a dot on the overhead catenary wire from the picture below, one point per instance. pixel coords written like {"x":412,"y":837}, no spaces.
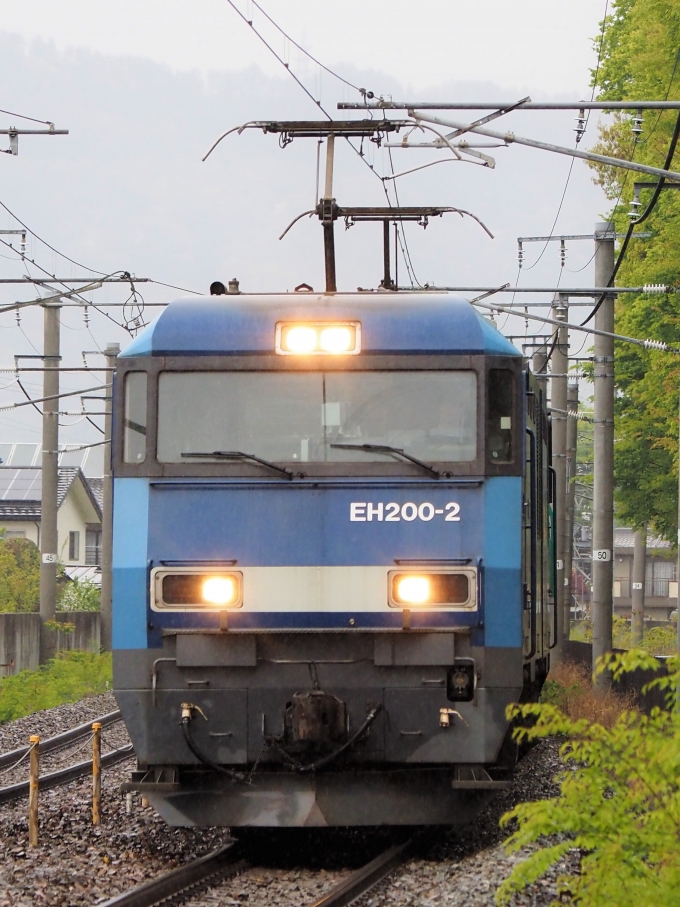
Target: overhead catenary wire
{"x":23,"y":116}
{"x":318,"y":103}
{"x":647,"y":344}
{"x":639,"y":220}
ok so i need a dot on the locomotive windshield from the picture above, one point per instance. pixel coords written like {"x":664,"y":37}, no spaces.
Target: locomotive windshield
{"x":314,"y":417}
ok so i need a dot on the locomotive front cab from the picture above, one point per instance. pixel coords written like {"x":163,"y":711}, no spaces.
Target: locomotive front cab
{"x":326,"y":583}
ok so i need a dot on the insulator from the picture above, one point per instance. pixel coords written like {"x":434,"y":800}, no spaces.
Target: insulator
{"x":635,"y":206}
{"x":655,"y":288}
{"x":563,"y":253}
{"x":637,"y":124}
{"x":655,"y":345}
{"x":520,"y":254}
{"x":86,"y":317}
{"x":580,"y":127}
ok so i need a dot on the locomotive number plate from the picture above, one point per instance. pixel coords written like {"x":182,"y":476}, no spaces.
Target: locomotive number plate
{"x":365,"y":511}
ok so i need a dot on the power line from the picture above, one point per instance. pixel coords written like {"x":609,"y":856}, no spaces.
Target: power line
{"x":318,"y":103}
{"x":643,"y":217}
{"x":24,"y":117}
{"x":362,"y":91}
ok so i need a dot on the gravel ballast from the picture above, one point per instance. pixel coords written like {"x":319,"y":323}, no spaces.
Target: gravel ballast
{"x":76,"y":864}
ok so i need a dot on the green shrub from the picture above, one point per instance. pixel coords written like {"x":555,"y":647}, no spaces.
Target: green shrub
{"x":80,"y":595}
{"x":618,"y":807}
{"x":67,"y":678}
{"x":661,"y":641}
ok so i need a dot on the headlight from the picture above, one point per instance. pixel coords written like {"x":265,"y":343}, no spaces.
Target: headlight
{"x":445,"y":589}
{"x":412,"y":590}
{"x":219,"y":590}
{"x":301,"y":339}
{"x":196,"y":590}
{"x":318,"y":338}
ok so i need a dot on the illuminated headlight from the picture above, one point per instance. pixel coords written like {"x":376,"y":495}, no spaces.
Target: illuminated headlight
{"x":318,"y":338}
{"x":196,"y":590}
{"x":219,"y":590}
{"x":412,"y":590}
{"x":455,"y":588}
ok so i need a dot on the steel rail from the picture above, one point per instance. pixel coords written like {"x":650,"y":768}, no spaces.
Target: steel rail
{"x":60,"y":740}
{"x":180,"y":881}
{"x":368,"y":876}
{"x":64,"y":775}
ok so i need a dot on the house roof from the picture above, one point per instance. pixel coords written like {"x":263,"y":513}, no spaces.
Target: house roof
{"x":625,"y":538}
{"x":21,"y":491}
{"x":97,"y":489}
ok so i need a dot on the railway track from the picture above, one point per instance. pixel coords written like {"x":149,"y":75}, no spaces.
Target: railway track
{"x":67,"y":738}
{"x":54,"y":744}
{"x":228,"y":861}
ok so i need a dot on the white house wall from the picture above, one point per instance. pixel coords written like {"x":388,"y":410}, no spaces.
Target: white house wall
{"x":30,"y":529}
{"x":75,"y":513}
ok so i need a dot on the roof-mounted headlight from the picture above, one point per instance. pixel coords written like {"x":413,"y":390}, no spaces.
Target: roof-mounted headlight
{"x":334,"y":338}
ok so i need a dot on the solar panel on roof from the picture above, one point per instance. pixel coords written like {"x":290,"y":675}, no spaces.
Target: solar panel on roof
{"x":20,"y":484}
{"x":72,"y":458}
{"x":5,"y":451}
{"x":24,"y":455}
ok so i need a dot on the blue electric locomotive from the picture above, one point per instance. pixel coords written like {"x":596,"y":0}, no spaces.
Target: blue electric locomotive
{"x":333,"y":563}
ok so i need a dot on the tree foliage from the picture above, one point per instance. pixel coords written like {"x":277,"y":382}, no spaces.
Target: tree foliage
{"x":19,"y":575}
{"x":641,"y":60}
{"x":618,"y":807}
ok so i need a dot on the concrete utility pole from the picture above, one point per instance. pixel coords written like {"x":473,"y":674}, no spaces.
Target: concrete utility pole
{"x":558,"y":402}
{"x":50,"y":480}
{"x":572,"y":444}
{"x":111,"y":351}
{"x":603,"y":485}
{"x":638,"y":586}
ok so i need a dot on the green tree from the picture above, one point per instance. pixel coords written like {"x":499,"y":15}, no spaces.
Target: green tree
{"x":618,"y":810}
{"x":19,"y":575}
{"x":641,"y":60}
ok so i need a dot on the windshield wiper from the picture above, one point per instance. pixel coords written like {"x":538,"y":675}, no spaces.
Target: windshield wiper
{"x":239,"y":455}
{"x":385,"y":448}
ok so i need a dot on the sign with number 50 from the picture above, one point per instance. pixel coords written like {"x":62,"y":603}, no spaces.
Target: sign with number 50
{"x":603,"y":554}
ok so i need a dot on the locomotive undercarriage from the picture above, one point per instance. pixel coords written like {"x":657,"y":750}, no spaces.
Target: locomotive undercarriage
{"x":318,"y":728}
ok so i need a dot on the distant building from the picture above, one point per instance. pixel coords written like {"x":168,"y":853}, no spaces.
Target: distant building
{"x":79,"y":514}
{"x":661,"y":586}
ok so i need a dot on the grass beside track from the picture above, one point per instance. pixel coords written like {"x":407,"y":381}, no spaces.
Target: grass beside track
{"x":67,"y":678}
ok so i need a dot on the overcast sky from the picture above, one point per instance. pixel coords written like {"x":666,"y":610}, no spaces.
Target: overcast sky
{"x":144,"y":88}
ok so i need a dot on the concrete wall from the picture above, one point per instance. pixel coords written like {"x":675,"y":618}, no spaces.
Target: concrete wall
{"x":20,"y":638}
{"x":19,"y":642}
